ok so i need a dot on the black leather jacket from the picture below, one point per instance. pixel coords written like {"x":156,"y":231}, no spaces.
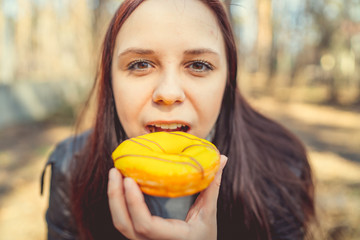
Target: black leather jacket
{"x":60,"y":221}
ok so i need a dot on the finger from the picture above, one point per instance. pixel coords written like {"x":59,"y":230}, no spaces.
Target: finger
{"x":146,"y":225}
{"x":207,"y":200}
{"x":139,"y":212}
{"x":117,"y":204}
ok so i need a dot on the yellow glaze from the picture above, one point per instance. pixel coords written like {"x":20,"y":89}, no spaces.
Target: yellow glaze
{"x":168,"y":164}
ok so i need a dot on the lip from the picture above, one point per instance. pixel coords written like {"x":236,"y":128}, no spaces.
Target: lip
{"x":149,"y":125}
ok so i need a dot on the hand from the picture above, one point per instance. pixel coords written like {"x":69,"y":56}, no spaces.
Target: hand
{"x":133,"y":219}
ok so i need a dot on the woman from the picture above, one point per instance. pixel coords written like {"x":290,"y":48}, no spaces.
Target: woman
{"x":174,"y":62}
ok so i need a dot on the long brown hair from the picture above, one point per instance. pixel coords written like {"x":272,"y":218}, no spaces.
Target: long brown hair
{"x":267,"y":178}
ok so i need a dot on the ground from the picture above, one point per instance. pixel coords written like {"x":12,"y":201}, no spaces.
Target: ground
{"x":332,"y":137}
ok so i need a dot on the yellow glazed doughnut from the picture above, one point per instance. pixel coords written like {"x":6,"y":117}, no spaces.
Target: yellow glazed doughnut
{"x":168,"y":164}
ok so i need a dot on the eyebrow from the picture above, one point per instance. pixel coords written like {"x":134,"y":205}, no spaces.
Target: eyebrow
{"x":141,"y":51}
{"x":199,"y":51}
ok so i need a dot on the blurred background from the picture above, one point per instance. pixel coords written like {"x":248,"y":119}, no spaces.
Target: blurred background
{"x":299,"y":64}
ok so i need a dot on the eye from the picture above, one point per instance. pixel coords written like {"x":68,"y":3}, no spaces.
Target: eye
{"x":200,"y":66}
{"x":139,"y":65}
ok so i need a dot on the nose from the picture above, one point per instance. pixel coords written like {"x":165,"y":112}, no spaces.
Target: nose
{"x":169,"y":90}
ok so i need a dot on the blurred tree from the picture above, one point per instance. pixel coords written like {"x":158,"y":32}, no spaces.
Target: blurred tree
{"x":7,"y":40}
{"x":326,"y":27}
{"x":334,"y":21}
{"x":102,"y":12}
{"x":264,"y":41}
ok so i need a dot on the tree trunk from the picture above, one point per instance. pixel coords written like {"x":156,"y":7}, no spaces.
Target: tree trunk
{"x":8,"y":52}
{"x":264,"y":38}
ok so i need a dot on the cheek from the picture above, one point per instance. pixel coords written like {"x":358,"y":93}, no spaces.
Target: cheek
{"x":126,"y":92}
{"x":212,"y":106}
{"x":125,"y":101}
{"x":121,"y":110}
{"x":216,"y":90}
{"x":210,"y":100}
{"x":130,"y":100}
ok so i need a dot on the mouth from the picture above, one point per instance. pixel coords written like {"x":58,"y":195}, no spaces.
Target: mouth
{"x":167,"y":127}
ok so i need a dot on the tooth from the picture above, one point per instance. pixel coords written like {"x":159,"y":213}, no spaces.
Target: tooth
{"x":173,"y":126}
{"x":170,"y":126}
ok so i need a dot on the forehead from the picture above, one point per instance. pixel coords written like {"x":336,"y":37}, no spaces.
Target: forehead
{"x":176,"y":21}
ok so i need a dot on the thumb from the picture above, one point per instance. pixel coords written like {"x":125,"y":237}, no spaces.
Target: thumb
{"x":207,"y":200}
{"x":213,"y":189}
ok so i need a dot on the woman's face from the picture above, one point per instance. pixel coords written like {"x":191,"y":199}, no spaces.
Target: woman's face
{"x":169,"y":68}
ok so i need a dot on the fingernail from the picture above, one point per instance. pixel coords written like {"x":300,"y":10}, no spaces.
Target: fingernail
{"x":223,"y":161}
{"x":128,"y":182}
{"x":113,"y":175}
